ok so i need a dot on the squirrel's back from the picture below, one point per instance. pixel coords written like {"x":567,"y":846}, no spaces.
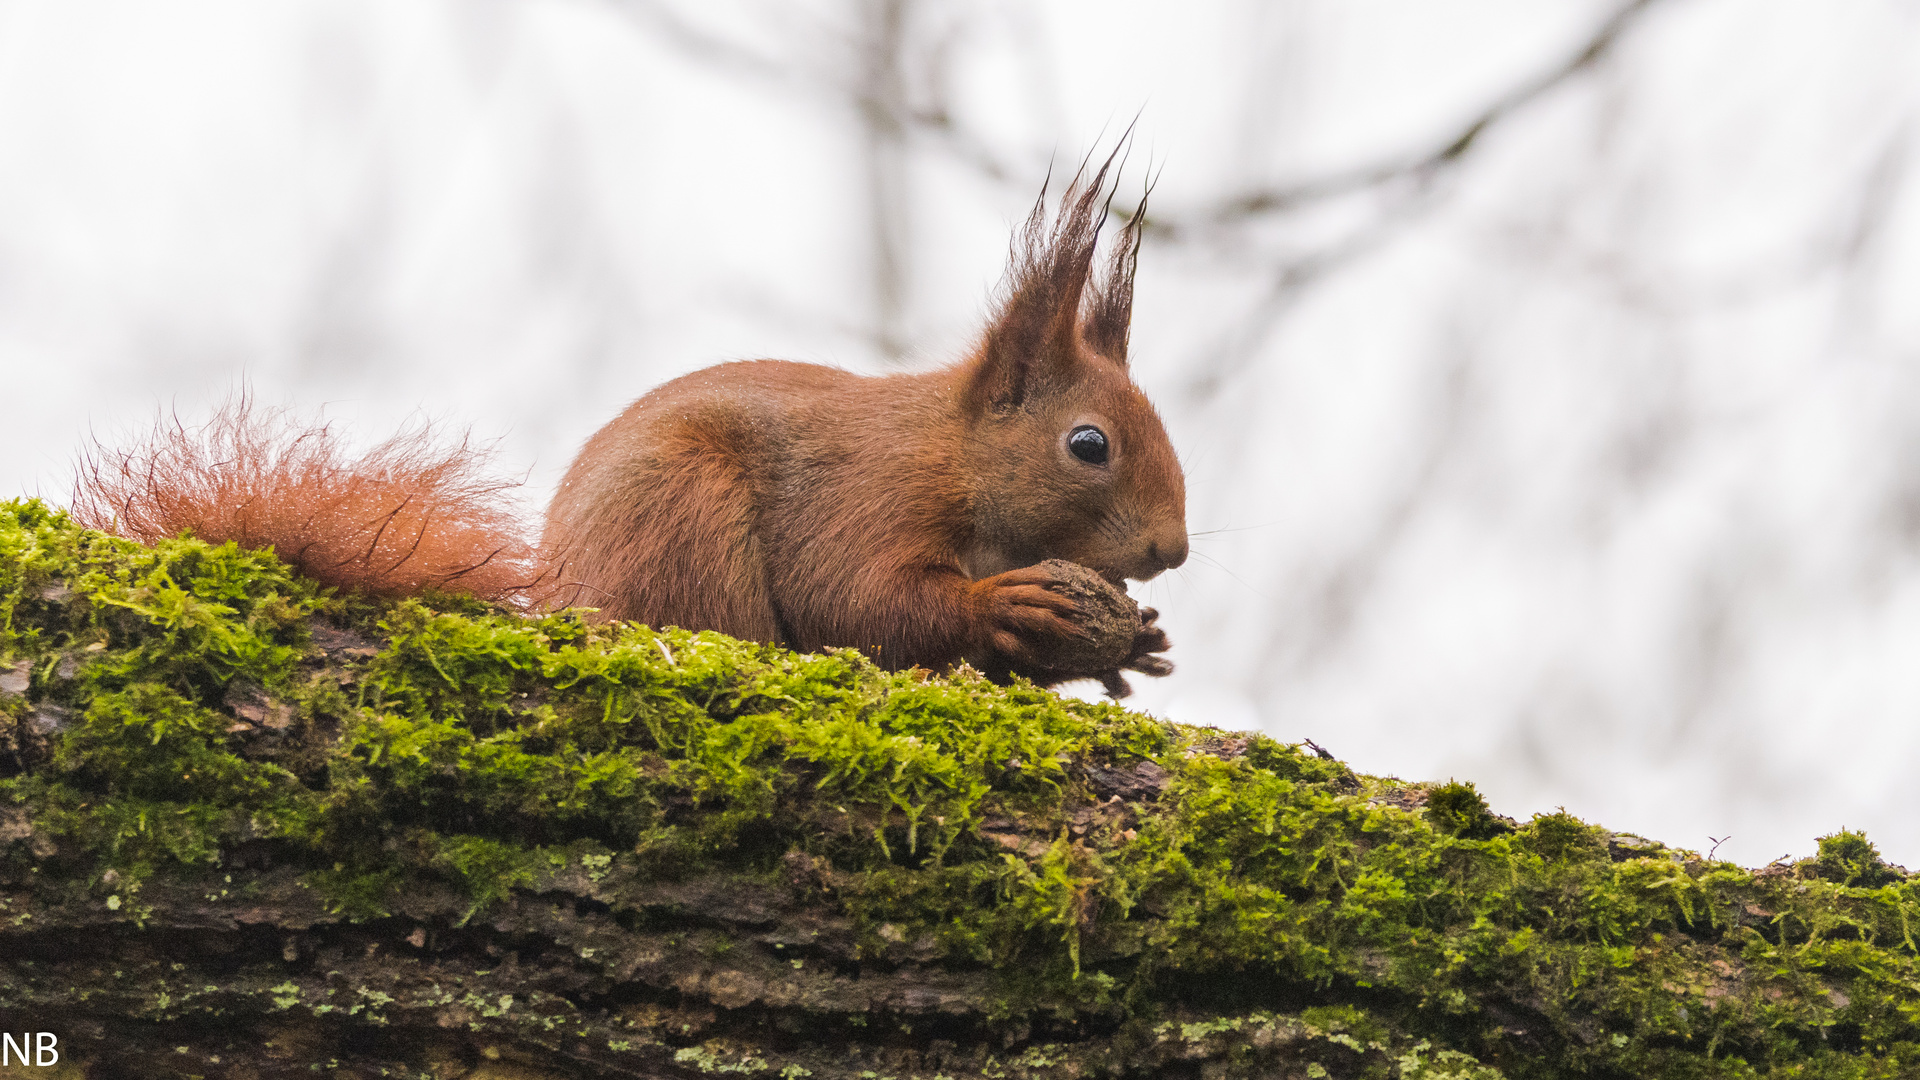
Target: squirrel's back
{"x":701,"y":502}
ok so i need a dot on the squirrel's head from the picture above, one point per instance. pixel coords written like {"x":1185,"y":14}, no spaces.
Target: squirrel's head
{"x":1068,"y":457}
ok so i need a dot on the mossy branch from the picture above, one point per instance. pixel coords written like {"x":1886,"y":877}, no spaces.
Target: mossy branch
{"x":275,"y":826}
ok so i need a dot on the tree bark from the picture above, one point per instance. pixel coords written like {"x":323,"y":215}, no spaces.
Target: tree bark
{"x":249,"y":828}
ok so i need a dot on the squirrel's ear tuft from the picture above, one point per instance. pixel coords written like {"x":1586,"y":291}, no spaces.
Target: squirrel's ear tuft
{"x":1034,"y":338}
{"x":1109,"y":316}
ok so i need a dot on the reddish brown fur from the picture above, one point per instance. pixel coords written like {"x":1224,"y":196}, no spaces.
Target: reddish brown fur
{"x":902,"y":515}
{"x":407,"y":515}
{"x":776,"y":501}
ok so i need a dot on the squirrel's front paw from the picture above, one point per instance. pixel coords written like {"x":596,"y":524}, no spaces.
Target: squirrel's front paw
{"x":1061,"y":621}
{"x":1027,"y":614}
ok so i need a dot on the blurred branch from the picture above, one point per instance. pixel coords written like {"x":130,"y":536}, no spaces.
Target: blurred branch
{"x":898,"y":98}
{"x":706,"y":46}
{"x":1407,"y":187}
{"x":1287,"y":280}
{"x":1419,"y":168}
{"x":880,"y":105}
{"x":931,"y":121}
{"x":1847,"y":242}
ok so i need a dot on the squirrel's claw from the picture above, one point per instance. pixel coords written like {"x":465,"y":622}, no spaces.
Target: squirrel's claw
{"x":1148,"y":642}
{"x":1143,"y":658}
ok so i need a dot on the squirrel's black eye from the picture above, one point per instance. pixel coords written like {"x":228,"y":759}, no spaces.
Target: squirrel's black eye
{"x":1089,"y":444}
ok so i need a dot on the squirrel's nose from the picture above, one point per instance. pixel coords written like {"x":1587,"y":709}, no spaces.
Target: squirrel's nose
{"x":1169,"y":551}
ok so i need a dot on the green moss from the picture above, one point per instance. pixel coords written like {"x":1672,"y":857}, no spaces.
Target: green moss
{"x":1458,"y":809}
{"x":1851,"y":859}
{"x":179,"y":712}
{"x":1561,"y":837}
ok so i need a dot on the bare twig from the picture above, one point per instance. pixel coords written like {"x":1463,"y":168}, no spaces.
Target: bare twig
{"x":709,"y":47}
{"x":928,"y":121}
{"x":1420,"y":167}
{"x":1408,"y":186}
{"x":881,"y":106}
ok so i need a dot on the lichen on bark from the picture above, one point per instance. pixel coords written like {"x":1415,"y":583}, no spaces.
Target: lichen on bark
{"x":247,"y":824}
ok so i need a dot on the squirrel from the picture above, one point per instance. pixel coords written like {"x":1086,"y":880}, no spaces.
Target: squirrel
{"x":911,"y":516}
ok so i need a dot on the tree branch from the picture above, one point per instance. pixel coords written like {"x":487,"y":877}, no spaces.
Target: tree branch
{"x":1422,"y":166}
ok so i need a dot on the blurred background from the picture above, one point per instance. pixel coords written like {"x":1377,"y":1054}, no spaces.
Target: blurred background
{"x":1547,"y":375}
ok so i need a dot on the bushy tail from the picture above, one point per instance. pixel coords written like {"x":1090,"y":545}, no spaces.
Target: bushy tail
{"x":414,"y":512}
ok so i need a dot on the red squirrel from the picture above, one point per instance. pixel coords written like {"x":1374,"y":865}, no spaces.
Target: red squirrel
{"x":902,"y":515}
